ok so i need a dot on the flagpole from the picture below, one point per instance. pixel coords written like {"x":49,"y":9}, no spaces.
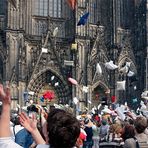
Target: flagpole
{"x":74,"y":54}
{"x":146,"y":69}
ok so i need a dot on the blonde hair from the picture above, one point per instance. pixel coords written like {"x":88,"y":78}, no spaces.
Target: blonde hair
{"x":115,"y":128}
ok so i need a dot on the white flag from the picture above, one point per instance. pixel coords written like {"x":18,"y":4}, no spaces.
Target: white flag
{"x":130,"y":74}
{"x":98,"y":69}
{"x":75,"y":100}
{"x":52,"y":78}
{"x":44,"y":50}
{"x":124,"y":69}
{"x":31,"y":93}
{"x":56,"y":84}
{"x":144,"y":95}
{"x":55,"y":31}
{"x":110,"y":65}
{"x":85,"y":89}
{"x":121,"y":85}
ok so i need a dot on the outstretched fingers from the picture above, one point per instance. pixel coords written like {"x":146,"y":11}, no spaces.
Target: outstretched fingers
{"x":23,"y":117}
{"x":5,"y":94}
{"x":7,"y":90}
{"x":33,"y":117}
{"x":2,"y":93}
{"x":26,"y":122}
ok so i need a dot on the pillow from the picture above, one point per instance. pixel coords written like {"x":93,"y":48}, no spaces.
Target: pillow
{"x":121,"y":85}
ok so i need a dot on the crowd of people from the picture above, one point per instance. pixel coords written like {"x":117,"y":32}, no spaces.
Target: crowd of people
{"x":105,"y":127}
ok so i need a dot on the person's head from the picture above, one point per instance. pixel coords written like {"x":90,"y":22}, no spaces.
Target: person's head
{"x":86,"y":120}
{"x":140,"y":124}
{"x":115,"y":128}
{"x":112,"y":128}
{"x":63,"y":129}
{"x":131,"y":121}
{"x":14,"y":118}
{"x":128,"y":131}
{"x":32,"y":108}
{"x":16,"y":121}
{"x":104,"y":122}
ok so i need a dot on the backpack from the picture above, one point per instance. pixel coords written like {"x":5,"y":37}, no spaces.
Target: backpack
{"x":23,"y":138}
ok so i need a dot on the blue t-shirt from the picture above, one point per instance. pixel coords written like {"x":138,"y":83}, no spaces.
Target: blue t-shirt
{"x":24,"y":138}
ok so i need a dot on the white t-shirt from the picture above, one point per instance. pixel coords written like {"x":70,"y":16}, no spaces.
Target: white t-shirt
{"x":8,"y":142}
{"x":16,"y":129}
{"x":42,"y":146}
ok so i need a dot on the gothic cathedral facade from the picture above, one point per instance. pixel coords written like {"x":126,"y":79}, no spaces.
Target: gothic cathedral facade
{"x":42,"y":45}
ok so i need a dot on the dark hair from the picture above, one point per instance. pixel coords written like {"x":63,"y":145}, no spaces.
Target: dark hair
{"x":86,"y":120}
{"x":63,"y":129}
{"x":131,"y":121}
{"x":140,"y":124}
{"x":16,"y":121}
{"x":32,"y":108}
{"x":128,"y":132}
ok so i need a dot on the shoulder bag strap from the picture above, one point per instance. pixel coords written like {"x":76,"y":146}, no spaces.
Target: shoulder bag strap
{"x":14,"y":130}
{"x":137,"y":143}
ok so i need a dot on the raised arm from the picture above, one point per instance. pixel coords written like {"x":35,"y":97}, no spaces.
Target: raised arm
{"x":5,"y":116}
{"x":31,"y":126}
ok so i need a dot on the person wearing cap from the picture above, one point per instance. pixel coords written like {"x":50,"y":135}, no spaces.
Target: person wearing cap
{"x":104,"y":128}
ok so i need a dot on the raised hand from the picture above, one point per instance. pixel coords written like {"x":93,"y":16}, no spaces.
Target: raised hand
{"x":5,"y":115}
{"x":31,"y":126}
{"x":5,"y":94}
{"x":26,"y":122}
